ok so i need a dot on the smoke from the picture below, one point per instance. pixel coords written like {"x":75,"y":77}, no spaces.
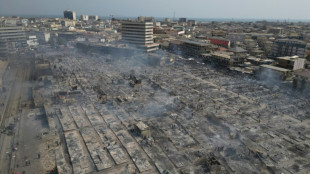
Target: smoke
{"x":270,"y":78}
{"x":141,"y":87}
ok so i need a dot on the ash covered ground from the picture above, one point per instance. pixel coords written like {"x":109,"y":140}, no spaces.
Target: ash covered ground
{"x":118,"y":114}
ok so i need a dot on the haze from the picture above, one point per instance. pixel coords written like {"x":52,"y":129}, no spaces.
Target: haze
{"x":258,"y":9}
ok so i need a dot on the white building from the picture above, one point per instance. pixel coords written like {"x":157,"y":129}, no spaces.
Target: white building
{"x":32,"y":41}
{"x":139,"y":34}
{"x":84,"y":17}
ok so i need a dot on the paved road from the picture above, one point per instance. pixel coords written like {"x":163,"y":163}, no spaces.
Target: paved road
{"x":16,"y":79}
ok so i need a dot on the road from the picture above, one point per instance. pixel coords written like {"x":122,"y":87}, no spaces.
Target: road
{"x":16,"y":81}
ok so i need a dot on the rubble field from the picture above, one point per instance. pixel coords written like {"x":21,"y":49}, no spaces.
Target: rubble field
{"x":122,"y":115}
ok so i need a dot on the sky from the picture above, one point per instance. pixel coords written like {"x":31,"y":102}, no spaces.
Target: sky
{"x":229,"y":9}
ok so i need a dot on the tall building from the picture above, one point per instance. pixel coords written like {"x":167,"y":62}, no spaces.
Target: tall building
{"x":93,"y":17}
{"x":139,"y":34}
{"x":11,"y":40}
{"x":84,"y":17}
{"x":192,"y":23}
{"x":182,"y":19}
{"x":289,"y":47}
{"x":167,"y":19}
{"x":70,"y":14}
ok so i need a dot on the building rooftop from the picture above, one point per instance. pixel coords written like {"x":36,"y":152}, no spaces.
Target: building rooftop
{"x":291,"y":40}
{"x":290,"y":58}
{"x":226,"y":55}
{"x":276,"y":68}
{"x":195,"y":43}
{"x":237,"y":50}
{"x":219,"y":38}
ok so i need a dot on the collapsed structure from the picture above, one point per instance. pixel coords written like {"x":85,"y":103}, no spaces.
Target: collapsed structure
{"x":125,"y":115}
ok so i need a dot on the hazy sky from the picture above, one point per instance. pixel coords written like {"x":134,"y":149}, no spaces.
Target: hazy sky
{"x":261,"y":9}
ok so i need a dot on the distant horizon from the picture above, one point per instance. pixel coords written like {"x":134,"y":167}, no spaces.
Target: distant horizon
{"x":225,"y":9}
{"x":200,"y":19}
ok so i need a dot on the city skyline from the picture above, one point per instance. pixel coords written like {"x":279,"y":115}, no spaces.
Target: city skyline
{"x":238,"y":9}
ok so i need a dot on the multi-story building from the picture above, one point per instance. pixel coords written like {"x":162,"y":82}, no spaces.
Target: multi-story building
{"x":291,"y":63}
{"x":232,"y":58}
{"x":11,"y":40}
{"x":93,"y":17}
{"x":68,"y":23}
{"x":220,"y":41}
{"x":182,"y":20}
{"x":194,"y":48}
{"x":289,"y":47}
{"x":191,"y":23}
{"x":139,"y":34}
{"x":42,"y":36}
{"x":70,"y":14}
{"x":84,"y":17}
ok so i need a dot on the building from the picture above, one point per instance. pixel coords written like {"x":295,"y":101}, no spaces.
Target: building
{"x":146,"y":19}
{"x":84,"y":17}
{"x":301,"y":81}
{"x":219,"y":33}
{"x":175,"y":33}
{"x":273,"y":74}
{"x":191,"y":23}
{"x":291,"y":63}
{"x":289,"y":47}
{"x":68,"y":23}
{"x":32,"y":41}
{"x":70,"y":14}
{"x":24,"y":22}
{"x":93,"y":18}
{"x":232,"y":58}
{"x":194,"y":48}
{"x":175,"y":46}
{"x":12,"y":39}
{"x":276,"y":31}
{"x":167,"y":20}
{"x":143,"y":129}
{"x":139,"y":34}
{"x":220,"y":41}
{"x":236,"y":37}
{"x":42,"y":36}
{"x":12,"y":22}
{"x":182,"y":20}
{"x":259,"y":61}
{"x":157,"y":24}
